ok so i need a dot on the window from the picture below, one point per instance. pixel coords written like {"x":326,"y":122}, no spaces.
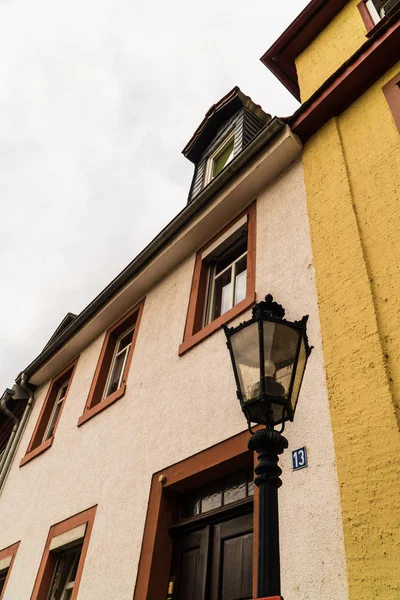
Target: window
{"x":219,"y":159}
{"x":64,"y":576}
{"x":63,"y":558}
{"x":50,"y":414}
{"x":374,"y":11}
{"x":7,"y":557}
{"x":109,"y":381}
{"x":227,"y":277}
{"x":223,"y":283}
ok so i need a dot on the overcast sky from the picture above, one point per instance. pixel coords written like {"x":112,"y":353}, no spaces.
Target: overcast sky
{"x":97,"y":100}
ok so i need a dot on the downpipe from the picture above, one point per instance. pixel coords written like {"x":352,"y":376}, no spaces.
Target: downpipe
{"x":7,"y":395}
{"x":18,"y":427}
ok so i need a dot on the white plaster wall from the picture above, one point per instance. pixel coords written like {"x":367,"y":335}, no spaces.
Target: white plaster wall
{"x":173,"y":408}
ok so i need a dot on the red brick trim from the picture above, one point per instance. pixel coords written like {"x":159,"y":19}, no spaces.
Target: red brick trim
{"x":6,"y":553}
{"x":365,"y":15}
{"x":194,"y":332}
{"x":94,"y":403}
{"x":392,"y":94}
{"x":212,"y":463}
{"x":36,"y":446}
{"x":48,"y":562}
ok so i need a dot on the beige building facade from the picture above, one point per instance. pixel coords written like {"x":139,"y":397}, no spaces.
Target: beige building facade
{"x":102,"y":473}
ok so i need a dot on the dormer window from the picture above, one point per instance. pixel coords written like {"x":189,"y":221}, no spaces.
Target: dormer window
{"x":228,"y":127}
{"x":378,"y":9}
{"x":219,"y":159}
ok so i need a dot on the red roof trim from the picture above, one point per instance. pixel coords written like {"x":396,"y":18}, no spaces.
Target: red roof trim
{"x":280,"y":58}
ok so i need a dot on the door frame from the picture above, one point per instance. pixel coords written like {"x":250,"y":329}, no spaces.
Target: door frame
{"x":224,"y":458}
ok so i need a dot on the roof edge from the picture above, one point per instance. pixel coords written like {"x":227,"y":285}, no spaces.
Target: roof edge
{"x":280,"y":57}
{"x":264,"y":137}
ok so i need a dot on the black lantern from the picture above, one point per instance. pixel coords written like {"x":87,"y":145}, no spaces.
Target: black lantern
{"x":269,"y":356}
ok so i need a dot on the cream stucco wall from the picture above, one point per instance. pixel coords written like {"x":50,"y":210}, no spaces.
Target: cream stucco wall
{"x":173,"y":408}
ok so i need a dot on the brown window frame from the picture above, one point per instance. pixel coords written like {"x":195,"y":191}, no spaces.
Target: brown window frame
{"x":36,"y":445}
{"x":166,"y":486}
{"x":6,"y":553}
{"x":95,"y":402}
{"x":49,"y":558}
{"x":391,"y":90}
{"x":194,"y":331}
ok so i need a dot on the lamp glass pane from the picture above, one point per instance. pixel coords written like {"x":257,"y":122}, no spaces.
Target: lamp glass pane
{"x":280,"y":348}
{"x":301,"y":365}
{"x":245,"y":346}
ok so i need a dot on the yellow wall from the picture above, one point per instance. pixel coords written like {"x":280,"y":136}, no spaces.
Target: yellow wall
{"x":352,"y":173}
{"x":343,"y":36}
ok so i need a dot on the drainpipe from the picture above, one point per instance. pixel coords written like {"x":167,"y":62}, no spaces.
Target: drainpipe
{"x":20,"y":391}
{"x":7,"y":395}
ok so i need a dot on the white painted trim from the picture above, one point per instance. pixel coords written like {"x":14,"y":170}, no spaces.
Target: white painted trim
{"x":210,"y":161}
{"x":372,"y":11}
{"x":68,"y":537}
{"x":5,"y":562}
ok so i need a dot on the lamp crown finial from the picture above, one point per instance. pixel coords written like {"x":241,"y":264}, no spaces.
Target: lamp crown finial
{"x":268,"y":308}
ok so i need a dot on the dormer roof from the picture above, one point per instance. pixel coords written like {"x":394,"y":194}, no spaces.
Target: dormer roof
{"x":215,"y":117}
{"x":67,"y":320}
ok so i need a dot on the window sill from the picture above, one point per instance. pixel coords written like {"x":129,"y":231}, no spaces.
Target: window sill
{"x":36,"y":451}
{"x":198,"y":337}
{"x":94,"y":410}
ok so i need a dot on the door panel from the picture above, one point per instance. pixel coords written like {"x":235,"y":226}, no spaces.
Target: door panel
{"x":232,"y":560}
{"x":216,"y":562}
{"x":189,"y":565}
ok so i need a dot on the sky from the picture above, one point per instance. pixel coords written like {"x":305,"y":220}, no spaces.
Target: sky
{"x":97,"y":100}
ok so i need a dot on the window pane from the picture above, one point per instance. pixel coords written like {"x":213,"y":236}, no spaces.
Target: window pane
{"x":190,"y":506}
{"x":222,"y":294}
{"x":240,"y":280}
{"x":212,"y":498}
{"x":235,"y":488}
{"x":116,"y":374}
{"x":223,"y":158}
{"x":229,"y":256}
{"x":3,"y":577}
{"x":53,"y":420}
{"x":125,"y":341}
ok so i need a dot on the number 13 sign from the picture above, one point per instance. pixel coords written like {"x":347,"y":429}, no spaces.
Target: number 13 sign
{"x":299,"y":459}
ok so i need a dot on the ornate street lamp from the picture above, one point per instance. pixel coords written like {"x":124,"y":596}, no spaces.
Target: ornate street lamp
{"x":269,"y":357}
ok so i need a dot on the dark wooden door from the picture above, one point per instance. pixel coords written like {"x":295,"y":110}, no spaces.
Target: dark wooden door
{"x":232,"y":559}
{"x":215,"y":562}
{"x":189,"y":565}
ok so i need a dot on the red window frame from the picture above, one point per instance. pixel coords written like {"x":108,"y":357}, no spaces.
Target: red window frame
{"x":95,"y":402}
{"x":194,"y":331}
{"x":49,"y":557}
{"x":36,"y":445}
{"x":6,"y":553}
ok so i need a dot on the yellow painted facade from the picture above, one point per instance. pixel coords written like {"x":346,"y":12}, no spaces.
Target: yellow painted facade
{"x":343,"y":36}
{"x":352,"y":174}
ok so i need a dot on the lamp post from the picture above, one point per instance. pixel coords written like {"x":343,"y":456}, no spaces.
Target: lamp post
{"x":269,"y":356}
